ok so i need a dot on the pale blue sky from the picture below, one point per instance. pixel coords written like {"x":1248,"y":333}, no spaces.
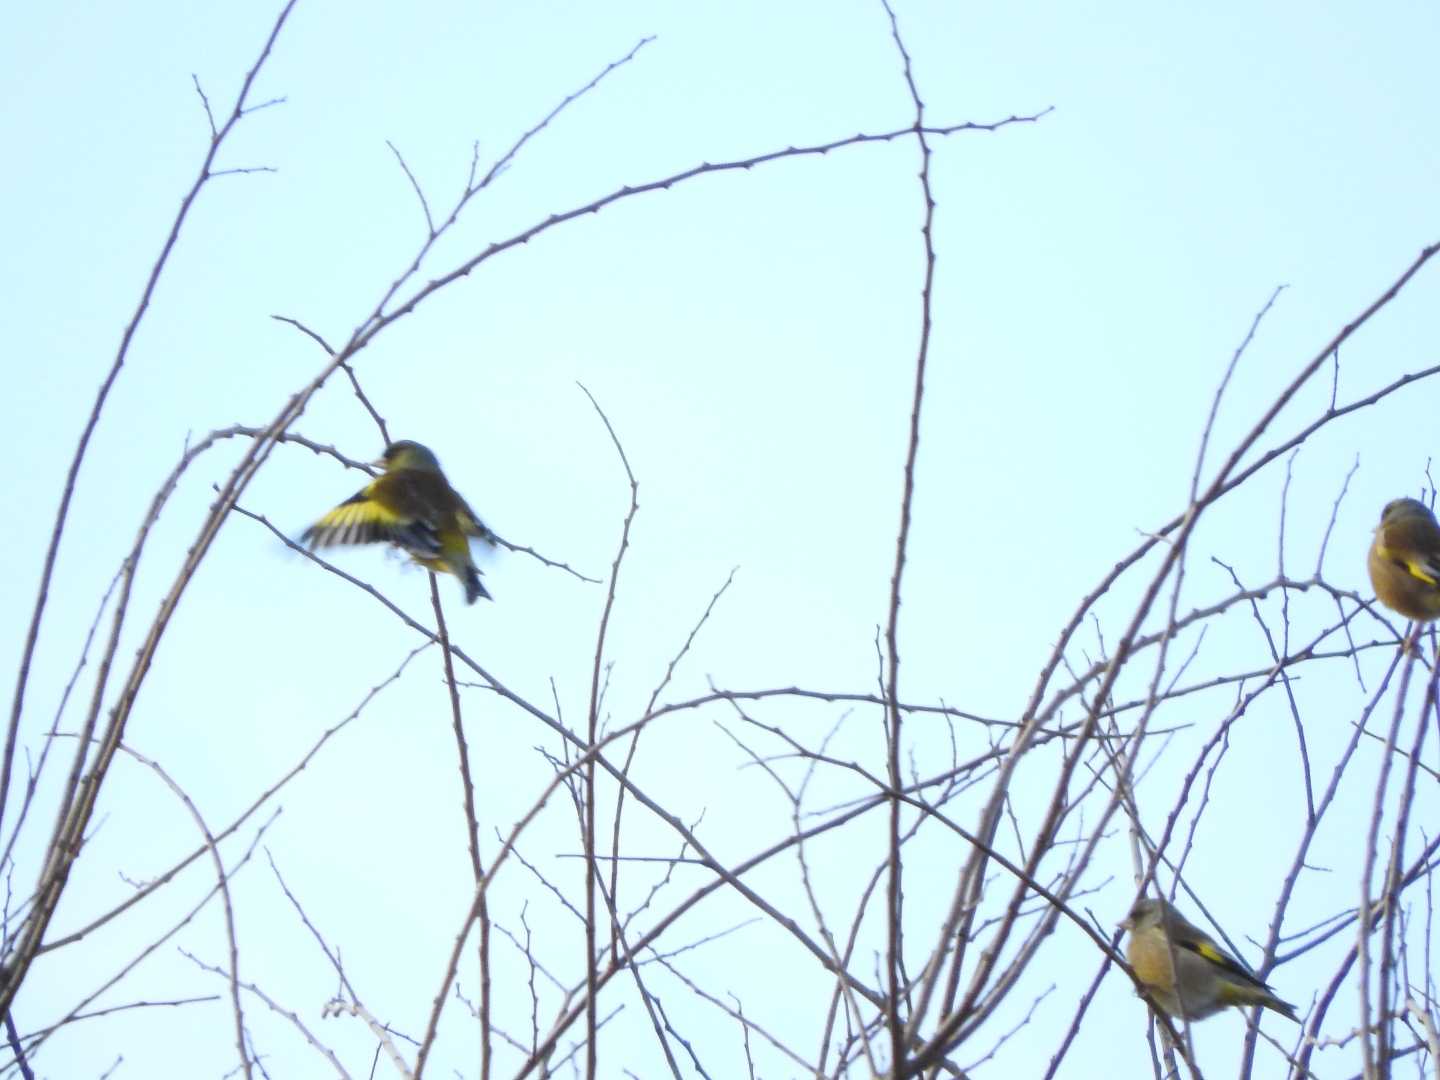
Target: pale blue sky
{"x":752,"y":336}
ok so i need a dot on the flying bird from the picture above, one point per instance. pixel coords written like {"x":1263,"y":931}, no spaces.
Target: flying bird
{"x":412,"y":506}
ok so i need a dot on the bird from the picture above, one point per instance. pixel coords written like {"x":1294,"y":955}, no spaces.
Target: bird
{"x":1404,"y":560}
{"x":412,"y":506}
{"x":1210,"y":978}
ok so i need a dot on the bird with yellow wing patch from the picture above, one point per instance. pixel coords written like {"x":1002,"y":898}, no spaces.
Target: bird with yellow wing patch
{"x":1404,"y":560}
{"x":1185,"y":974}
{"x":412,"y":506}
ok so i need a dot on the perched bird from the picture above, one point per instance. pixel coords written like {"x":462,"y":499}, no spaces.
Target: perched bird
{"x":412,"y":506}
{"x":1405,"y":560}
{"x":1210,"y":978}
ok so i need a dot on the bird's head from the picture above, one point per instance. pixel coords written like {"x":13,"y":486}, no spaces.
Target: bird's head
{"x":1146,"y":913}
{"x":1400,"y":509}
{"x":408,"y":455}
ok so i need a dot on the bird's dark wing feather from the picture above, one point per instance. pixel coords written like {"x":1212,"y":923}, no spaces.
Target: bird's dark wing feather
{"x":362,"y":519}
{"x":426,"y":492}
{"x":1218,"y":956}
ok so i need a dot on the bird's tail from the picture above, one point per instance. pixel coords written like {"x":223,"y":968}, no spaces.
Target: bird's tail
{"x":1261,"y":995}
{"x":1284,"y":1008}
{"x":1249,"y":990}
{"x":473,"y":587}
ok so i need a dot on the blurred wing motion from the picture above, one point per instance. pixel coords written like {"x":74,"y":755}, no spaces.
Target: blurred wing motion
{"x":413,"y":507}
{"x":363,"y":519}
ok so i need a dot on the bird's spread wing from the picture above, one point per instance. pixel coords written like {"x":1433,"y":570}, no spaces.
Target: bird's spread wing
{"x":360,"y":519}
